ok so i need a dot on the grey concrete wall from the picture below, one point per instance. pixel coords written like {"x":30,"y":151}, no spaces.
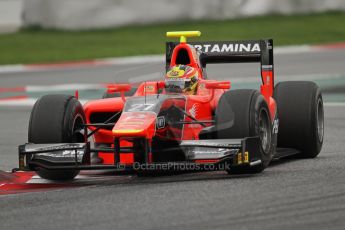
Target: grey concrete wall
{"x":87,"y":14}
{"x":10,"y":15}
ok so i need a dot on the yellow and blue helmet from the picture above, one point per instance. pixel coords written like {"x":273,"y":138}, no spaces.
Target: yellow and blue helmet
{"x":181,"y":79}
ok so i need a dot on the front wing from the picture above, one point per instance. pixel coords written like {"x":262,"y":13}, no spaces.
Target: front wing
{"x":232,"y":152}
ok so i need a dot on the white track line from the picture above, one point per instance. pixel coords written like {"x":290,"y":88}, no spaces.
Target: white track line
{"x":38,"y":180}
{"x":24,"y":102}
{"x":294,"y":49}
{"x":18,"y":102}
{"x":62,"y":87}
{"x":334,"y":104}
{"x":132,"y":60}
{"x":12,"y":68}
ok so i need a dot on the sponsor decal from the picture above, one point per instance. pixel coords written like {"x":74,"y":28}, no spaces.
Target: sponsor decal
{"x":175,"y":72}
{"x":63,"y":154}
{"x":228,"y":48}
{"x":54,"y":147}
{"x":210,"y":144}
{"x":160,"y":122}
{"x":194,"y":126}
{"x":173,"y":79}
{"x":134,"y":123}
{"x":239,"y":158}
{"x":140,"y":108}
{"x":246,"y":157}
{"x":194,"y":110}
{"x":242,"y":159}
{"x":275,"y":126}
{"x":138,"y":115}
{"x":149,"y":89}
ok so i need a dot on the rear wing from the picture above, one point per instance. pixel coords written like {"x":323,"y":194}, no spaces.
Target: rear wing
{"x":234,"y":52}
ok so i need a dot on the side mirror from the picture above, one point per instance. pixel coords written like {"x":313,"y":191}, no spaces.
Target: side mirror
{"x":217,"y":85}
{"x":113,"y":88}
{"x":161,"y":84}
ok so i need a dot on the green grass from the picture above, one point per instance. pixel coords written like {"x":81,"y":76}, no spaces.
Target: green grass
{"x":38,"y":46}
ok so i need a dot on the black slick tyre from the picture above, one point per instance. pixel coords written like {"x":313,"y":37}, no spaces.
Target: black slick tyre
{"x":301,"y":117}
{"x":56,"y":119}
{"x":244,"y":113}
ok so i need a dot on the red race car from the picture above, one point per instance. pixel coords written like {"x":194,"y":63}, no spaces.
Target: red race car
{"x":184,"y":122}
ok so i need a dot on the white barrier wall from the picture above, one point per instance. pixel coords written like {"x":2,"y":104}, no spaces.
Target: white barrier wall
{"x":10,"y":15}
{"x":87,"y":14}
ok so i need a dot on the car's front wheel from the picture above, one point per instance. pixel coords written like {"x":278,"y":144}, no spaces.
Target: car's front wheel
{"x":56,"y":119}
{"x":244,"y":113}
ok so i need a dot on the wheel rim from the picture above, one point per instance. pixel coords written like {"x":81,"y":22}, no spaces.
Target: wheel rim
{"x":264,"y":131}
{"x":320,"y":120}
{"x":78,"y":129}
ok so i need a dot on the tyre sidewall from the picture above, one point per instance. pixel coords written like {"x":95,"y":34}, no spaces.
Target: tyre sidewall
{"x":259,"y":106}
{"x":314,"y":143}
{"x":74,"y":114}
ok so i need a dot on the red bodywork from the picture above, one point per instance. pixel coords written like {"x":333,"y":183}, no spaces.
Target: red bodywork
{"x":201,"y":106}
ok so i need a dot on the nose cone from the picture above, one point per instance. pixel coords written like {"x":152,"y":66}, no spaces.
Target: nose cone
{"x":135,"y":124}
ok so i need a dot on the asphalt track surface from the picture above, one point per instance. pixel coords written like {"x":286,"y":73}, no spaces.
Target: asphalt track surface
{"x":290,"y":194}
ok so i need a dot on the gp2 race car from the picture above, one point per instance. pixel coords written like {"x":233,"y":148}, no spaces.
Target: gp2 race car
{"x":152,"y":127}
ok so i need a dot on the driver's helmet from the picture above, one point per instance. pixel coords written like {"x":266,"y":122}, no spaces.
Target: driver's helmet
{"x":181,"y":79}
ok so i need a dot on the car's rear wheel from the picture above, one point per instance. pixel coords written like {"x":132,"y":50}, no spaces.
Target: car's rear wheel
{"x":56,"y":119}
{"x":244,"y":113}
{"x":301,"y":117}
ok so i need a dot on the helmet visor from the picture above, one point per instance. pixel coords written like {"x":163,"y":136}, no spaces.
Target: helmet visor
{"x":176,"y":85}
